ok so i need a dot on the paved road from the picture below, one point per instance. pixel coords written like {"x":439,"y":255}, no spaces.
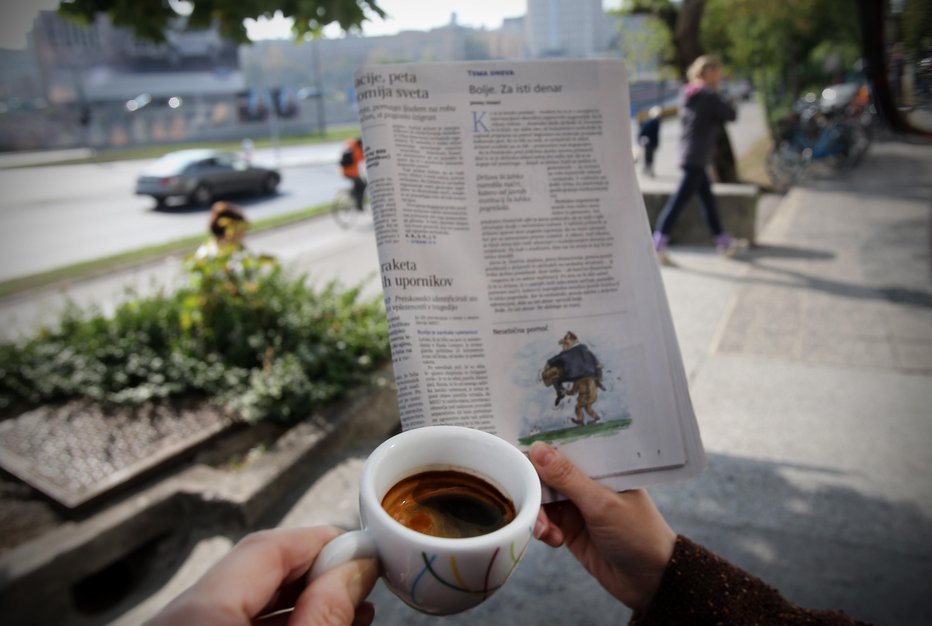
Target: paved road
{"x":57,"y":215}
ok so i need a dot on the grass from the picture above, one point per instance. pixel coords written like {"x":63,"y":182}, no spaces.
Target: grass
{"x":183,"y":245}
{"x":157,"y":150}
{"x":573,"y":433}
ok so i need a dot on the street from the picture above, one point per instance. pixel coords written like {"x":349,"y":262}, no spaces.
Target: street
{"x":57,"y":215}
{"x":61,"y":214}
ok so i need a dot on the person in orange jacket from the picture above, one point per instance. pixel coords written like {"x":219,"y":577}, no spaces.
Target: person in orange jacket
{"x":350,"y":162}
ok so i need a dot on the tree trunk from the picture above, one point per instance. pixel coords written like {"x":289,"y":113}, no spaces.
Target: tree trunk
{"x":686,"y":34}
{"x":723,"y":159}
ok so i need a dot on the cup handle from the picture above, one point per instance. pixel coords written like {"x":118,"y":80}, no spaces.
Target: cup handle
{"x":355,"y":544}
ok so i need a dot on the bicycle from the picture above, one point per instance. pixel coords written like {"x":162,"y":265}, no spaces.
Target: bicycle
{"x":343,"y":209}
{"x":838,"y":138}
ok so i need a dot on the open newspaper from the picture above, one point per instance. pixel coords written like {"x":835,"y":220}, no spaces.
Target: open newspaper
{"x":522,"y":290}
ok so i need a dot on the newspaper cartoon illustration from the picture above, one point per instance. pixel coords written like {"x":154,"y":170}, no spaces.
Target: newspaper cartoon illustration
{"x":577,"y":365}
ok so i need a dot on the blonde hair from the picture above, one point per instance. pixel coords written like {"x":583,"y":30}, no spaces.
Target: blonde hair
{"x":702,"y":64}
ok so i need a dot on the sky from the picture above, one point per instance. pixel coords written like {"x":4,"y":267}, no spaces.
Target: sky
{"x":16,"y":17}
{"x":417,"y":15}
{"x":413,"y":15}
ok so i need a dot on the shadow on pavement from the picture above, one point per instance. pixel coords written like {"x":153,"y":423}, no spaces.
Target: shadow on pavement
{"x":900,"y":175}
{"x":823,"y":544}
{"x":814,"y":533}
{"x":244,"y":200}
{"x":898,"y":294}
{"x":763,"y":251}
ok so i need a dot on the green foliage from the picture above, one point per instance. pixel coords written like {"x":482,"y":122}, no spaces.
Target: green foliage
{"x":649,"y":43}
{"x":150,"y":19}
{"x":664,"y":10}
{"x":787,"y":46}
{"x":240,"y":331}
{"x":916,"y":24}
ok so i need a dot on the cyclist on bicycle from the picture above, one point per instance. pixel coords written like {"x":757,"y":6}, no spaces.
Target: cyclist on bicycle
{"x":350,"y":162}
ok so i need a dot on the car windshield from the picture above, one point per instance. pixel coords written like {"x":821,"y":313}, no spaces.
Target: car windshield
{"x":172,"y":163}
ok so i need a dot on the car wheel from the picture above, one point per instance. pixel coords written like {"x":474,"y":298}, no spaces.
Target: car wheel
{"x":160,"y":203}
{"x":270,"y":185}
{"x":202,"y":195}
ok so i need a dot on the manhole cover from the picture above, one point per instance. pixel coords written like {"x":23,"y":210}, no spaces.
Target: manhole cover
{"x":80,"y":451}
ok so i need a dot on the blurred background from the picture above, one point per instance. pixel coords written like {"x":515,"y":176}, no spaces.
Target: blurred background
{"x":156,"y":405}
{"x":94,"y":83}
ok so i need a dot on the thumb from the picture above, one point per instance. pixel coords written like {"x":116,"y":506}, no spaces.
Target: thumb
{"x":332,"y":599}
{"x":558,"y":472}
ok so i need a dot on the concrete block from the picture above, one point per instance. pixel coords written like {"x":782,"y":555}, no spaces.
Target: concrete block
{"x":39,"y":579}
{"x":737,"y":207}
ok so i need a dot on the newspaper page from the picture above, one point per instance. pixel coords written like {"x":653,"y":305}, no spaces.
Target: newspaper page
{"x":522,"y":290}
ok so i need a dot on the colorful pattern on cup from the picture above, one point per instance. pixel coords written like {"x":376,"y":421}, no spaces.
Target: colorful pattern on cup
{"x":487,"y":588}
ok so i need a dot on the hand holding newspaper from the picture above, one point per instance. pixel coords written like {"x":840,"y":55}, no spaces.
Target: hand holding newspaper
{"x":521,"y":286}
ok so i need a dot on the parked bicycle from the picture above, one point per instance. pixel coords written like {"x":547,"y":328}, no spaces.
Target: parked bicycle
{"x":830,"y":131}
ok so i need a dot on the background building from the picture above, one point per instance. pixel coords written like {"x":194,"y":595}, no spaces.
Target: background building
{"x":102,"y":87}
{"x":99,"y":86}
{"x":565,"y":28}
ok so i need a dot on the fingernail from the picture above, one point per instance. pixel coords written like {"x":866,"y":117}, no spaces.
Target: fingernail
{"x":539,"y":528}
{"x":541,"y":453}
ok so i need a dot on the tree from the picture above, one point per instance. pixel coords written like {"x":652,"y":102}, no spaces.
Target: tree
{"x":788,"y":46}
{"x":150,"y":19}
{"x":683,"y":22}
{"x":646,"y":44}
{"x":917,"y":25}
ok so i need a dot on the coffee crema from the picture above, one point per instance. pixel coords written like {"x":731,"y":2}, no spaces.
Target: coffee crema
{"x":448,"y":503}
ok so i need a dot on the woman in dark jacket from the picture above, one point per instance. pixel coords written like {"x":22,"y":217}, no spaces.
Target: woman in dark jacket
{"x":703,"y":113}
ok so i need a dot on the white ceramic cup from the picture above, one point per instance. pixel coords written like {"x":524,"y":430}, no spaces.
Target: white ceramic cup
{"x":440,"y":575}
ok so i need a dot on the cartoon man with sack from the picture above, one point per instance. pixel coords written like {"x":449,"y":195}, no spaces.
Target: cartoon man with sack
{"x":576,"y":364}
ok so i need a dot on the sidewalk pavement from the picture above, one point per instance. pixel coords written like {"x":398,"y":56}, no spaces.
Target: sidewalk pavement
{"x":42,"y":157}
{"x":810,"y":368}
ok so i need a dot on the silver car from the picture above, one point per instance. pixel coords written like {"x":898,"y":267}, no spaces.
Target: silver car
{"x":200,"y":176}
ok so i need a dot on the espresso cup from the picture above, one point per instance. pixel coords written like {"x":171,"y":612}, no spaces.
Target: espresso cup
{"x":436,"y":574}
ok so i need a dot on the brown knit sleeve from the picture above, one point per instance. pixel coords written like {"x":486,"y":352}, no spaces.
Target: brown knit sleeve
{"x":700,"y":588}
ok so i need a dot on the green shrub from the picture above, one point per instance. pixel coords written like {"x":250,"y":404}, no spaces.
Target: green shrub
{"x":240,"y":331}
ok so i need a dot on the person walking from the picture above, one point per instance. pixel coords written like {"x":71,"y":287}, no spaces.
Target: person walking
{"x":703,"y":111}
{"x":649,"y":138}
